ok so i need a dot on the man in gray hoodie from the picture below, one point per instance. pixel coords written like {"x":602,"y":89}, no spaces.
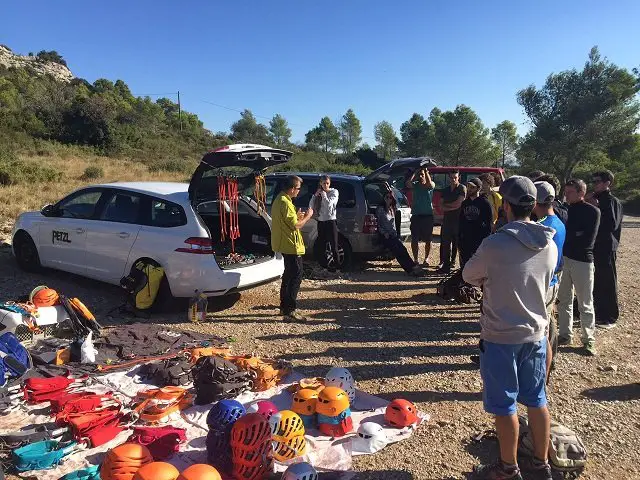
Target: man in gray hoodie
{"x":515,"y":267}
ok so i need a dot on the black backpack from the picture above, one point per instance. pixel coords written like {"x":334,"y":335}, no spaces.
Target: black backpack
{"x":455,"y":288}
{"x":215,"y":378}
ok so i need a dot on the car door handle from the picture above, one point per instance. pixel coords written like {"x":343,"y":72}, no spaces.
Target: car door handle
{"x":80,"y":231}
{"x":124,"y":234}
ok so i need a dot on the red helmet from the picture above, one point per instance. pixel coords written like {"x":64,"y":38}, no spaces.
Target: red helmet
{"x":250,"y":430}
{"x":157,"y":471}
{"x":200,"y":471}
{"x":401,"y":413}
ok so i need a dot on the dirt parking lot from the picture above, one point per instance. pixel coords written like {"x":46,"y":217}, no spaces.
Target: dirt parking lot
{"x":399,"y":340}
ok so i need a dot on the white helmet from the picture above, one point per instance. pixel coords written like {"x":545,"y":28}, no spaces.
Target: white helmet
{"x":370,"y":439}
{"x":300,"y":471}
{"x":342,"y":378}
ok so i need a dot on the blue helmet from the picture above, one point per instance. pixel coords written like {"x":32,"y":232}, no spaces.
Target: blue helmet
{"x":224,"y":413}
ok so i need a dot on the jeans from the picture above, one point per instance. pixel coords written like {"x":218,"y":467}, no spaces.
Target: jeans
{"x":291,"y":280}
{"x":328,"y":234}
{"x":605,"y":287}
{"x":400,"y":252}
{"x":576,"y":276}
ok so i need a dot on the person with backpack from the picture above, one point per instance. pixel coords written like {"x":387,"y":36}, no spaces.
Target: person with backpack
{"x":545,"y":196}
{"x":324,"y":202}
{"x":286,"y":239}
{"x":476,"y":220}
{"x":521,"y":256}
{"x":385,"y":214}
{"x":605,"y":285}
{"x":577,"y":272}
{"x":421,"y":212}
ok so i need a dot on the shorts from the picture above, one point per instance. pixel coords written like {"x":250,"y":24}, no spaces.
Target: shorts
{"x":513,"y":373}
{"x":422,"y":228}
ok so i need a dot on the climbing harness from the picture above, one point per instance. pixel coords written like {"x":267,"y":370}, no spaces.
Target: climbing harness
{"x":162,"y":442}
{"x":41,"y":455}
{"x":158,"y":403}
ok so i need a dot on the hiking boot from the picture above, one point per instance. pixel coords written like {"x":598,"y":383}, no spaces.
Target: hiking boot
{"x":294,"y":317}
{"x":564,"y":340}
{"x":496,"y":471}
{"x":590,"y":348}
{"x":535,"y":469}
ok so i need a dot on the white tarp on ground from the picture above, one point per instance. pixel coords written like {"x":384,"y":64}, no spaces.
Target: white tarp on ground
{"x":322,"y":452}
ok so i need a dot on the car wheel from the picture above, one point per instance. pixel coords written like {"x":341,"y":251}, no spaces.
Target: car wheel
{"x":26,"y":252}
{"x":325,"y":258}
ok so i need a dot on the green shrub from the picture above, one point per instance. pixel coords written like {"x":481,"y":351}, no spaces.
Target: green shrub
{"x":92,"y":173}
{"x":14,"y":171}
{"x":178,"y":166}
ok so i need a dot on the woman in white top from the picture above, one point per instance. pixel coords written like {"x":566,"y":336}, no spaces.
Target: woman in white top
{"x":325,"y":202}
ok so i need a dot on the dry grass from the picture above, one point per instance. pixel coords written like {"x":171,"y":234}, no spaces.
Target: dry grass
{"x":22,"y":197}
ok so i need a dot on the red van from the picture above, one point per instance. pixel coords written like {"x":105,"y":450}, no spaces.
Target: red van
{"x":440,"y":176}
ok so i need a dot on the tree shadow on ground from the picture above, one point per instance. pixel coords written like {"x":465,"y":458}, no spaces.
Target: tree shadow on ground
{"x":627,"y":392}
{"x":432,"y":397}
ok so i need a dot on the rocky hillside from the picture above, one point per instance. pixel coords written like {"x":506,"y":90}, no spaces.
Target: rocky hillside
{"x":39,"y":66}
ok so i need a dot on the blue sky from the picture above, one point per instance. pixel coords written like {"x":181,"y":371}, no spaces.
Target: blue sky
{"x":304,"y":60}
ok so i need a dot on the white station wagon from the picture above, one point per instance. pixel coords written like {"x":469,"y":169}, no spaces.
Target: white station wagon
{"x":100,"y":231}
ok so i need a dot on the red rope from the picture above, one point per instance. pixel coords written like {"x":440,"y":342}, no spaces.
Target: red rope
{"x":234,"y":227}
{"x":222,"y":196}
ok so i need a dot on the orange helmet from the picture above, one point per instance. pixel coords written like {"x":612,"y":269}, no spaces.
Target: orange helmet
{"x":401,"y":413}
{"x":288,"y":449}
{"x":45,"y":297}
{"x":304,"y":401}
{"x":157,"y":471}
{"x":123,"y":461}
{"x":200,"y":471}
{"x":332,"y":401}
{"x":250,"y":430}
{"x":286,"y":425}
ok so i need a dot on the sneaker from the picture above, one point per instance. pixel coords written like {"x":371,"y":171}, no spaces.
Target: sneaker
{"x":606,"y":326}
{"x":535,"y":469}
{"x":564,"y":340}
{"x":294,"y":317}
{"x":496,"y":471}
{"x":425,"y":264}
{"x":590,"y":348}
{"x":444,"y":270}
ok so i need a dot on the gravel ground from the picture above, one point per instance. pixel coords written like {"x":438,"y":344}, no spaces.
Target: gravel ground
{"x":399,"y":340}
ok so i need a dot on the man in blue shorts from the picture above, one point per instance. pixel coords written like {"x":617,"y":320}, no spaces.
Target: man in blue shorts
{"x":515,"y":267}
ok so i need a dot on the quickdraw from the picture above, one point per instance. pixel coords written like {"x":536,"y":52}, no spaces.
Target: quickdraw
{"x":158,"y":403}
{"x":260,"y":193}
{"x":222,"y":198}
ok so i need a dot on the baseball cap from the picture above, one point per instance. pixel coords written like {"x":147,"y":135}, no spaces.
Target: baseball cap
{"x":475,"y":182}
{"x":518,"y":190}
{"x":545,"y":192}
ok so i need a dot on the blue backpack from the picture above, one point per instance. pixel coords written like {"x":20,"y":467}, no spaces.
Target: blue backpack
{"x":14,"y":358}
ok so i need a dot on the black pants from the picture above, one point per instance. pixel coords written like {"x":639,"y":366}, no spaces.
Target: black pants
{"x":328,"y":234}
{"x":291,"y":280}
{"x":605,"y":287}
{"x":449,"y":240}
{"x":400,"y":252}
{"x":467,"y":249}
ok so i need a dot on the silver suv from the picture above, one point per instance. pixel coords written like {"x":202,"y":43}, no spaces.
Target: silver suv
{"x":359,"y":198}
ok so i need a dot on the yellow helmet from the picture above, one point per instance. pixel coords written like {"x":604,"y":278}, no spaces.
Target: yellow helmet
{"x":288,"y":449}
{"x":304,"y":401}
{"x":286,"y":425}
{"x":332,"y":401}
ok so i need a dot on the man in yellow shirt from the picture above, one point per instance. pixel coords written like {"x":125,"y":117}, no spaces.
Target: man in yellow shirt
{"x":287,"y":240}
{"x":494,"y":198}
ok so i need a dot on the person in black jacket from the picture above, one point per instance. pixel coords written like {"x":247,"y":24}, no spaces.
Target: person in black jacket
{"x":476,"y":220}
{"x":605,"y":287}
{"x":582,"y":227}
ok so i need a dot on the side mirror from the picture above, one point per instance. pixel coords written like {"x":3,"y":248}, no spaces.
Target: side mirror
{"x":48,"y":210}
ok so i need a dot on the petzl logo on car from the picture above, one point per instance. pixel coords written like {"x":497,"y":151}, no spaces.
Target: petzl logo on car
{"x":57,"y":236}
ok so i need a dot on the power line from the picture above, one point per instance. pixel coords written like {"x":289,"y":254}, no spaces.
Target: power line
{"x":153,"y":94}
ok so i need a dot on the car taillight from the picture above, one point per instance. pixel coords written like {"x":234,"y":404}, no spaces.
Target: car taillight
{"x":197,"y":245}
{"x":370,"y":224}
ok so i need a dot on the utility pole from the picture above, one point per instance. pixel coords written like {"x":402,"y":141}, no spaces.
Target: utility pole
{"x":179,"y":111}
